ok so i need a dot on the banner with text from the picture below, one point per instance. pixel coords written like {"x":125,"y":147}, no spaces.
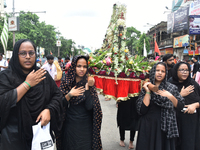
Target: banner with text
{"x":194,"y":24}
{"x":181,"y":41}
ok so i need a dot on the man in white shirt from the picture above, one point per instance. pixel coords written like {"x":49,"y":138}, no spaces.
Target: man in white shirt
{"x":50,"y":67}
{"x":3,"y":63}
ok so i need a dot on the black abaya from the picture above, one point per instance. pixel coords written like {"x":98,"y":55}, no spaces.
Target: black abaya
{"x":78,"y":125}
{"x":188,"y":124}
{"x":150,"y":136}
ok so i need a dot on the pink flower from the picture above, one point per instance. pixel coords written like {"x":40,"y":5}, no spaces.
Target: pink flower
{"x":94,"y":67}
{"x":129,"y":69}
{"x":108,"y":61}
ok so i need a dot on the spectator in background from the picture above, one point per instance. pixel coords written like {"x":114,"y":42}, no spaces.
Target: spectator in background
{"x":50,"y":67}
{"x":62,"y":65}
{"x":196,"y":67}
{"x":191,"y":62}
{"x":66,"y":60}
{"x":68,"y":64}
{"x":175,"y":61}
{"x":8,"y":60}
{"x":3,"y":63}
{"x":168,"y":59}
{"x":38,"y":63}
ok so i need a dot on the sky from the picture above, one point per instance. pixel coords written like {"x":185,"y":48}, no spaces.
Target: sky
{"x":86,"y":21}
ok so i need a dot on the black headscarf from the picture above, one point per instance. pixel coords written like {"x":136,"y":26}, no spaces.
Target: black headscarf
{"x":14,"y":61}
{"x":45,"y":95}
{"x":175,"y":75}
{"x":192,"y":97}
{"x":68,"y":84}
{"x":168,"y":117}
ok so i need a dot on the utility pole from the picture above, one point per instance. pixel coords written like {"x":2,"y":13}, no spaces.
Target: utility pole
{"x":13,"y":14}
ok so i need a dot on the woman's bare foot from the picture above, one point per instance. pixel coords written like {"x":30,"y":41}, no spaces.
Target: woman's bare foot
{"x":121,"y":143}
{"x":107,"y":99}
{"x":131,"y":145}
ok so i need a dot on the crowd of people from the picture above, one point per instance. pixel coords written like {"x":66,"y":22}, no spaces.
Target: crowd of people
{"x":62,"y":94}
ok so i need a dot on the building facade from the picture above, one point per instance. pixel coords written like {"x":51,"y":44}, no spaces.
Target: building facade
{"x":164,"y":40}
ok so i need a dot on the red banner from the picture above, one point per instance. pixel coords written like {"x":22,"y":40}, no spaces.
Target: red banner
{"x":197,"y":51}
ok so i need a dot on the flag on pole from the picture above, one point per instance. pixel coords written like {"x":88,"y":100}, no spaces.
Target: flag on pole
{"x":144,"y":51}
{"x":4,"y":35}
{"x":157,"y":49}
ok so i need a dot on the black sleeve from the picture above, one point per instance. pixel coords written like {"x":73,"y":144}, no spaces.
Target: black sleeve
{"x":144,"y":109}
{"x":196,"y":68}
{"x":55,"y":104}
{"x":180,"y":99}
{"x":7,"y":101}
{"x":179,"y":106}
{"x":88,"y":100}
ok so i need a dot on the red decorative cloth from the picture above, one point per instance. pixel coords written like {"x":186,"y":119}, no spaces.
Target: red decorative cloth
{"x":125,"y":88}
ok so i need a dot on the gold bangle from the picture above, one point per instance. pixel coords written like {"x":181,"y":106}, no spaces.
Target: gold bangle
{"x":25,"y":86}
{"x":148,"y":93}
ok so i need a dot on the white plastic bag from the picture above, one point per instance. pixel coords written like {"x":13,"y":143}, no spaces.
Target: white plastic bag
{"x":41,"y":138}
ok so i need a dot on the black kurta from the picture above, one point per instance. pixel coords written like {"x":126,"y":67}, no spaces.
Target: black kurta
{"x":127,"y":116}
{"x":78,"y":125}
{"x":150,"y":136}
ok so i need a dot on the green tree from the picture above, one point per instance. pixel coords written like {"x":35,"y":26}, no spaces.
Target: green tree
{"x":48,"y":38}
{"x":132,"y":36}
{"x":140,"y":44}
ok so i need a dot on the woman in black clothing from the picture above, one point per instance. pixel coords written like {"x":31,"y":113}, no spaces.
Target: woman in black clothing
{"x":27,"y":94}
{"x":188,"y":118}
{"x":158,"y":127}
{"x":81,"y":129}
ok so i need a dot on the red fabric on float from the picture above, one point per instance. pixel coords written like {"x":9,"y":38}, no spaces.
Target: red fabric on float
{"x":125,"y":88}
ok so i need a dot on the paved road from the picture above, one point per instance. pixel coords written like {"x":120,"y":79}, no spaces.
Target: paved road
{"x":109,"y":130}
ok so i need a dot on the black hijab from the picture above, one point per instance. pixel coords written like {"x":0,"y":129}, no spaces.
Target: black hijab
{"x":192,"y":97}
{"x":14,"y":61}
{"x":168,"y":117}
{"x":175,"y":75}
{"x":68,"y":83}
{"x":45,"y":95}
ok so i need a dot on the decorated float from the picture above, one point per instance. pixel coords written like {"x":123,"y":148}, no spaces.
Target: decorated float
{"x":117,"y":74}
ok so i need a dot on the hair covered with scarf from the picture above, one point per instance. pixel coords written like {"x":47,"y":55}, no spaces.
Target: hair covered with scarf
{"x":44,"y":95}
{"x":168,"y":116}
{"x":68,"y":83}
